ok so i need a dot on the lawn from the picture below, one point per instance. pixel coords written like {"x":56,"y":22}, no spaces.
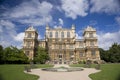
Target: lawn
{"x":15,"y":72}
{"x":108,"y":72}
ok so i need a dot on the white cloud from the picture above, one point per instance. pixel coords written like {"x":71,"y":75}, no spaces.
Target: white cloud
{"x":60,"y":21}
{"x":106,"y":6}
{"x":118,"y":19}
{"x":19,"y":36}
{"x":107,"y":39}
{"x":58,"y":24}
{"x":39,"y":36}
{"x":31,"y":12}
{"x":36,"y":21}
{"x":28,"y":12}
{"x":74,"y":8}
{"x":8,"y":34}
{"x":78,"y":36}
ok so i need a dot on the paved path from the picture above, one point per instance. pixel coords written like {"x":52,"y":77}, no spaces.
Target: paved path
{"x":77,"y":75}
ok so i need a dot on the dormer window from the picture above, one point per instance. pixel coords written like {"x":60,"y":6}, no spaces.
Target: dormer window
{"x":29,"y":35}
{"x":91,"y":35}
{"x":50,"y":34}
{"x":62,"y":34}
{"x":56,"y":34}
{"x":68,"y":34}
{"x":91,"y":43}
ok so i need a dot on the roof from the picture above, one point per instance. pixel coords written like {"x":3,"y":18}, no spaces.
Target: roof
{"x":31,"y":28}
{"x":89,"y":28}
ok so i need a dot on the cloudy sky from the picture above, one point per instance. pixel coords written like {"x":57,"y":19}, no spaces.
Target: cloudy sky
{"x":17,"y":15}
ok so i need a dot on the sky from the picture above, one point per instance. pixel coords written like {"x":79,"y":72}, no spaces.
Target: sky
{"x":17,"y":15}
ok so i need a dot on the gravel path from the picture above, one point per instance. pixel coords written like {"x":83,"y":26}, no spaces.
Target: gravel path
{"x":77,"y":75}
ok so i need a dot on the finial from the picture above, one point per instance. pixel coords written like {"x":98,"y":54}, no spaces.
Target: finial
{"x":73,"y":26}
{"x":47,"y":26}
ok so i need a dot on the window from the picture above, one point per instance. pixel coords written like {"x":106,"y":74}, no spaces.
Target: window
{"x":81,"y":54}
{"x":50,"y":34}
{"x":71,"y":53}
{"x":56,"y":34}
{"x":62,"y":34}
{"x":68,"y":34}
{"x":91,"y":43}
{"x":71,"y":46}
{"x":29,"y":35}
{"x":71,"y":59}
{"x":60,"y":46}
{"x":28,"y":43}
{"x":93,"y":52}
{"x":91,"y":35}
{"x":81,"y":44}
{"x":60,"y":55}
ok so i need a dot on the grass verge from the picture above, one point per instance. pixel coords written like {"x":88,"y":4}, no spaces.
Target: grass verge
{"x":109,"y":72}
{"x":15,"y":72}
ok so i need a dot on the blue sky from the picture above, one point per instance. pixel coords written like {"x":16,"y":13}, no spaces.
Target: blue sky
{"x":17,"y":15}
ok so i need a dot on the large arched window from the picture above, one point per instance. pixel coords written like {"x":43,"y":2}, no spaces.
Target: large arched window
{"x":68,"y":34}
{"x":50,"y":34}
{"x":62,"y":34}
{"x":56,"y":34}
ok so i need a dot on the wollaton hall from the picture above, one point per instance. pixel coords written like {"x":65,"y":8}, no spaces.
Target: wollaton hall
{"x":62,"y":45}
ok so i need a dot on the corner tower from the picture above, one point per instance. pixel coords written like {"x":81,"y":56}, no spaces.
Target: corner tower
{"x":30,"y":42}
{"x":91,"y":44}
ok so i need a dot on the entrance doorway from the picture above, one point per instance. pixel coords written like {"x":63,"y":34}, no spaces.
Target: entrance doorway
{"x":60,"y":58}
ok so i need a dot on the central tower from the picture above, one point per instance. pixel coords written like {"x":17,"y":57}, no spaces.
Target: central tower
{"x":60,"y":44}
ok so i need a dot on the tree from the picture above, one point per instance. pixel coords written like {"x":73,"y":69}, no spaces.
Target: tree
{"x":111,"y":55}
{"x":104,"y":55}
{"x":13,"y":55}
{"x":42,"y":56}
{"x":115,"y":53}
{"x":1,"y":54}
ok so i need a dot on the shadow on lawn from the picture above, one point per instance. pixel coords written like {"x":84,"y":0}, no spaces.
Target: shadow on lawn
{"x":118,"y":77}
{"x":1,"y":77}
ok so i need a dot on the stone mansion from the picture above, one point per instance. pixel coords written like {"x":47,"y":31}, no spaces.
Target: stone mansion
{"x":62,"y":45}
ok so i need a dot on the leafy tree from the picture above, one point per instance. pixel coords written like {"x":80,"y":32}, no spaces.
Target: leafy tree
{"x":42,"y":56}
{"x":114,"y":53}
{"x":1,"y":54}
{"x":13,"y":55}
{"x":111,"y":55}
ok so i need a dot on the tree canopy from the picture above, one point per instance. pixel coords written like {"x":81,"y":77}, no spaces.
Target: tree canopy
{"x":41,"y":56}
{"x":111,"y":55}
{"x":12,"y":55}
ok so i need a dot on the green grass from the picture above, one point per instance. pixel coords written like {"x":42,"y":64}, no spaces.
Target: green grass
{"x":76,"y":65}
{"x":109,"y":72}
{"x":43,"y":65}
{"x":81,"y":65}
{"x":15,"y":72}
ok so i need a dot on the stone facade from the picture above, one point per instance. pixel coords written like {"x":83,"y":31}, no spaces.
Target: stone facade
{"x":30,"y":42}
{"x":62,"y":45}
